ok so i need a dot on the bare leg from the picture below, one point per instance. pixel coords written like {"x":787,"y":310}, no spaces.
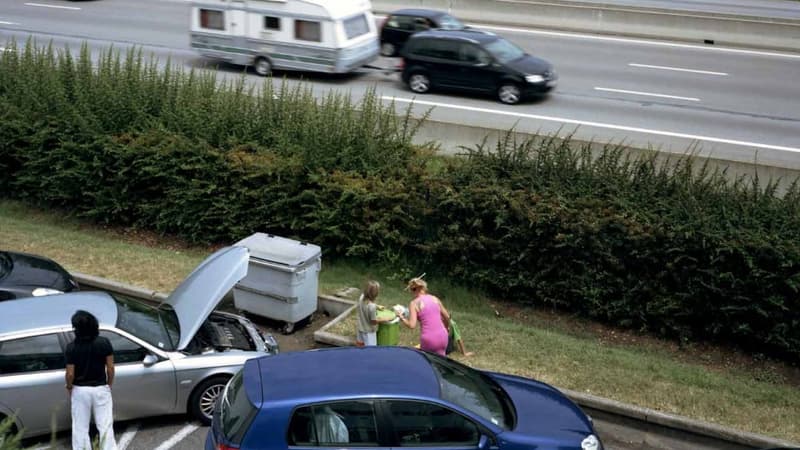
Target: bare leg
{"x":462,"y":350}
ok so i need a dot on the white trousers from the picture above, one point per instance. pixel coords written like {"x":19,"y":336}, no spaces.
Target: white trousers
{"x":88,"y":401}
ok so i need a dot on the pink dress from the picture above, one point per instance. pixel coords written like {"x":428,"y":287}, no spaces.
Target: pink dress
{"x":432,"y":334}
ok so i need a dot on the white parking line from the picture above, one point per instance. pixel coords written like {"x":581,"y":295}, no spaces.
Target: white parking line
{"x":3,"y":22}
{"x":127,"y":437}
{"x":596,"y":124}
{"x":648,"y":94}
{"x":42,"y":5}
{"x":678,"y":69}
{"x":179,"y":436}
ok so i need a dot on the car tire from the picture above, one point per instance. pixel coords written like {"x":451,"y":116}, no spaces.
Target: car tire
{"x":204,"y":397}
{"x":388,"y":49}
{"x":262,"y":66}
{"x":419,"y":82}
{"x":509,"y":93}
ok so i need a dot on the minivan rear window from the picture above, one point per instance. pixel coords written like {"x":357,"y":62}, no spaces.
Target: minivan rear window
{"x":356,"y":26}
{"x":235,"y":410}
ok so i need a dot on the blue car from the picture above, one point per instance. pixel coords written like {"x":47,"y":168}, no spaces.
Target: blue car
{"x":388,"y":397}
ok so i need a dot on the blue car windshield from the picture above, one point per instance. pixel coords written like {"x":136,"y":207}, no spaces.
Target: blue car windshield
{"x":155,"y":325}
{"x":503,"y":50}
{"x":448,"y":22}
{"x":473,"y":390}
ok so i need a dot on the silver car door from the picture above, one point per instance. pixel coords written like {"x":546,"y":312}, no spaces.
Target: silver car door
{"x":32,"y":382}
{"x":140,"y":389}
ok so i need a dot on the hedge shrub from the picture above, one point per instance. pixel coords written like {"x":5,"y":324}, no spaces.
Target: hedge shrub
{"x":672,"y":249}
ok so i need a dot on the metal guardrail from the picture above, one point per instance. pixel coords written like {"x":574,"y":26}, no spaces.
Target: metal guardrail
{"x":618,"y":423}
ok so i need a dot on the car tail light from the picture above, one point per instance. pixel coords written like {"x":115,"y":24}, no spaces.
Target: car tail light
{"x":226,"y":447}
{"x":383,"y":22}
{"x":401,"y":65}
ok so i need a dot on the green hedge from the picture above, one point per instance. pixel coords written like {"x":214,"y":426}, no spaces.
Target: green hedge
{"x":672,"y":249}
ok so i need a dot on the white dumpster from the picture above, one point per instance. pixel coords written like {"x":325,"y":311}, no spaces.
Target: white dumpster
{"x":282,"y":279}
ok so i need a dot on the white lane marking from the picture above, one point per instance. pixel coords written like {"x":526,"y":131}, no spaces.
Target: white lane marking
{"x":3,"y":22}
{"x":177,"y":437}
{"x":678,"y":69}
{"x":42,"y":5}
{"x":127,"y":437}
{"x":641,"y":41}
{"x":649,"y":94}
{"x":597,"y":124}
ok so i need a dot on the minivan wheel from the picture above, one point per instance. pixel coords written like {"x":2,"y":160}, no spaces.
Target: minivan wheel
{"x":419,"y":83}
{"x":204,"y":397}
{"x":262,"y":66}
{"x":509,"y":93}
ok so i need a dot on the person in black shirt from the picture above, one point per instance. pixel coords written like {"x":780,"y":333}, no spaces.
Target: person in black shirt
{"x":90,"y":374}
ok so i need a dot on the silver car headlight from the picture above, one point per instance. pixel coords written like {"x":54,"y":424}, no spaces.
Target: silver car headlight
{"x":534,"y":78}
{"x":40,"y":292}
{"x":591,"y":442}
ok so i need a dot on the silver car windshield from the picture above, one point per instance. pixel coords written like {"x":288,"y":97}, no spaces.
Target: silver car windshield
{"x":504,"y":51}
{"x":473,"y":390}
{"x":157,"y":326}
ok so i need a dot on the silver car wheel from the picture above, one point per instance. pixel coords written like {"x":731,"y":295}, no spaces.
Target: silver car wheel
{"x":509,"y":94}
{"x":208,"y":399}
{"x":419,"y":83}
{"x":387,"y":49}
{"x":263,"y":67}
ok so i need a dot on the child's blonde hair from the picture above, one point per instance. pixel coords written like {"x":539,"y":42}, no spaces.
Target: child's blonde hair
{"x":371,"y":290}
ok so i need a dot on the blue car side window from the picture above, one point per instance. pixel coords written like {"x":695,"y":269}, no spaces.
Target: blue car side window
{"x":421,"y":424}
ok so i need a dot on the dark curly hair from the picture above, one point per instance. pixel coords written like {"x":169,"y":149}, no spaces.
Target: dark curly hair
{"x":85,"y":325}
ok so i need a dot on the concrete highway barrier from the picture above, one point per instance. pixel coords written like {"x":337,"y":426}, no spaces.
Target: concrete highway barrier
{"x":689,"y":26}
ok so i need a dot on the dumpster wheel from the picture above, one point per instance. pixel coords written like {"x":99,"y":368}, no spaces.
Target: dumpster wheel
{"x":287,"y":328}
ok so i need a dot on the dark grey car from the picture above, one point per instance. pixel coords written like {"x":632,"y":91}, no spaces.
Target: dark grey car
{"x":401,"y":24}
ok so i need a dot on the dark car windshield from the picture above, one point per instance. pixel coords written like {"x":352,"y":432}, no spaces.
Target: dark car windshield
{"x":448,"y":22}
{"x":503,"y":50}
{"x":473,"y":390}
{"x":156,"y":325}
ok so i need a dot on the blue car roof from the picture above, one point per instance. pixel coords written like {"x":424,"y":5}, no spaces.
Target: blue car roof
{"x":55,"y":311}
{"x":346,"y":372}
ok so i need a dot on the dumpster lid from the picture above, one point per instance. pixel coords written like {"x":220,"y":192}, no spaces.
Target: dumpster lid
{"x":204,"y":288}
{"x":280,"y":250}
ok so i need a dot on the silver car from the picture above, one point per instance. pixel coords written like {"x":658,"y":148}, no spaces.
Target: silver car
{"x":172,"y":358}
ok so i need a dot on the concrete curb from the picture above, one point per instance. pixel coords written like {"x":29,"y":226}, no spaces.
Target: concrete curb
{"x":730,"y":438}
{"x":608,"y":18}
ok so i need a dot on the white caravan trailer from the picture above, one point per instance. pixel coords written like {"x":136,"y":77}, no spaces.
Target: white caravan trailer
{"x":334,"y":36}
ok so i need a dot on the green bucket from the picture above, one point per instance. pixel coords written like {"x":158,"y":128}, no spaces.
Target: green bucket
{"x":388,"y":333}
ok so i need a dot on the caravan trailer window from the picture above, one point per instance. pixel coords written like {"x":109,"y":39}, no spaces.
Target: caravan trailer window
{"x":211,"y":19}
{"x":306,"y":30}
{"x":356,"y":26}
{"x":272,"y":23}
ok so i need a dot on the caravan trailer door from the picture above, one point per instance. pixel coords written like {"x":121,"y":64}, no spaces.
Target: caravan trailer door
{"x":219,"y":30}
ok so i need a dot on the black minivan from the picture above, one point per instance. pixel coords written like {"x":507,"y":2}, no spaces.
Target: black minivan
{"x":474,"y":60}
{"x":401,"y":24}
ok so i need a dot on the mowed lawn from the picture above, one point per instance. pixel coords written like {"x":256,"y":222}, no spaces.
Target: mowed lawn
{"x":705,"y":383}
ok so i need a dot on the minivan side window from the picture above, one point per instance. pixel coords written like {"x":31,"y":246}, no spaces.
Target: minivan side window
{"x":306,"y":30}
{"x":333,"y":424}
{"x":422,"y":424}
{"x":435,"y":48}
{"x":31,"y":354}
{"x":401,"y":22}
{"x":212,"y":19}
{"x":473,"y":54}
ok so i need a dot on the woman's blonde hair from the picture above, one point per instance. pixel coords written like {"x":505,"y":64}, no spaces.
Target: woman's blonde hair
{"x":371,"y":290}
{"x":416,"y":284}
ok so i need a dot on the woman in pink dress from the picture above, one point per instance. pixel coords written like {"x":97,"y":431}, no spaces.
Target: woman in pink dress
{"x":432,"y":316}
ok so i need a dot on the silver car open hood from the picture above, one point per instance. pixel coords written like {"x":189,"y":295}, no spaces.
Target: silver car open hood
{"x":204,"y":288}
